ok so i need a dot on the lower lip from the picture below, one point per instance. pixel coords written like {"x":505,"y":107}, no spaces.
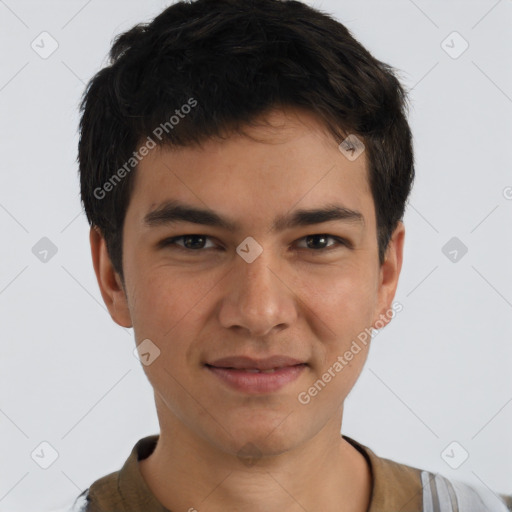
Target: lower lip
{"x":258,"y":382}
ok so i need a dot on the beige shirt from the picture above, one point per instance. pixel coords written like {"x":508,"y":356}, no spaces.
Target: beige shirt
{"x":395,"y":488}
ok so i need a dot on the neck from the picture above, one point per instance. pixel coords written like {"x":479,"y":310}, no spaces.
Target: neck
{"x":324,"y":473}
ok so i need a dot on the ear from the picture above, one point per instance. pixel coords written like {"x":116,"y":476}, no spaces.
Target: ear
{"x":109,"y":281}
{"x":389,"y":274}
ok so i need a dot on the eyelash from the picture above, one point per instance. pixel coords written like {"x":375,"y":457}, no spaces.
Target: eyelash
{"x":172,"y":241}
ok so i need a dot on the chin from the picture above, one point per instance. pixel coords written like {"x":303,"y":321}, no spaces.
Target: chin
{"x":260,"y":437}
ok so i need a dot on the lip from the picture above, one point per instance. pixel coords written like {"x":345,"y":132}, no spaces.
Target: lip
{"x":244,"y":362}
{"x":232,"y":371}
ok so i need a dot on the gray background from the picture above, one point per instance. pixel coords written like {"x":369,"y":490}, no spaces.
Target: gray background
{"x":440,"y":372}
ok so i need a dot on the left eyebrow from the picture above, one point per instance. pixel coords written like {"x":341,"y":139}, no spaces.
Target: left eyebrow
{"x":327,"y":213}
{"x":170,"y":212}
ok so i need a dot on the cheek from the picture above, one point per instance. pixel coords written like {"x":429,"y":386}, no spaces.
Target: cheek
{"x":148,"y":297}
{"x":343,"y":298}
{"x":166,"y":305}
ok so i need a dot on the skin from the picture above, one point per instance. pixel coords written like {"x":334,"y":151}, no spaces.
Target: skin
{"x":306,"y":303}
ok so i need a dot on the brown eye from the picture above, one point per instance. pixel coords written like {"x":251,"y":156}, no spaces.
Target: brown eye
{"x":319,"y":242}
{"x":189,"y":242}
{"x":194,"y":241}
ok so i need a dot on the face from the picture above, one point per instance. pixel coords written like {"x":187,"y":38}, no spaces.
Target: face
{"x":281,"y":263}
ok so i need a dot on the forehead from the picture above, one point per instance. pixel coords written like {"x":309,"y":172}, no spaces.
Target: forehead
{"x":285,"y":160}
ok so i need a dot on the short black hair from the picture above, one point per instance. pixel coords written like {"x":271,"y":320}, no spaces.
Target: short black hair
{"x":206,"y":68}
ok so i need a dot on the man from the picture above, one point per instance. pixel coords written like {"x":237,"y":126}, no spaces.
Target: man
{"x":245,"y":167}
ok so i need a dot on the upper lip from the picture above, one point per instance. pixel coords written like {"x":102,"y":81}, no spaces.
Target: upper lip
{"x":244,"y":362}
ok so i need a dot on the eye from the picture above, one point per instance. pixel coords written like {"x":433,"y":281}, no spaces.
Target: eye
{"x":190,"y":242}
{"x":318,"y":242}
{"x":194,"y":243}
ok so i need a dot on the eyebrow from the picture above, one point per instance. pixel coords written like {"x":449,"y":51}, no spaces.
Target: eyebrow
{"x":173,"y":211}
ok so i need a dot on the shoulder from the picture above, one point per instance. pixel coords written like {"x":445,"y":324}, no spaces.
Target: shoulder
{"x":406,"y":488}
{"x":102,"y":493}
{"x":444,"y":494}
{"x":79,"y":504}
{"x":120,"y":490}
{"x":438,"y":493}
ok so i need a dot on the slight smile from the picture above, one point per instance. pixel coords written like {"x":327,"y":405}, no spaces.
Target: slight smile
{"x":256,"y":376}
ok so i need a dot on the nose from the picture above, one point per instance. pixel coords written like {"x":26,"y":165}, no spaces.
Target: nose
{"x":257,"y":297}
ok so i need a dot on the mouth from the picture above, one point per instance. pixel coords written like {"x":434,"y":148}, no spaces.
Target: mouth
{"x":255,"y":370}
{"x":256,"y":376}
{"x":248,"y":363}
